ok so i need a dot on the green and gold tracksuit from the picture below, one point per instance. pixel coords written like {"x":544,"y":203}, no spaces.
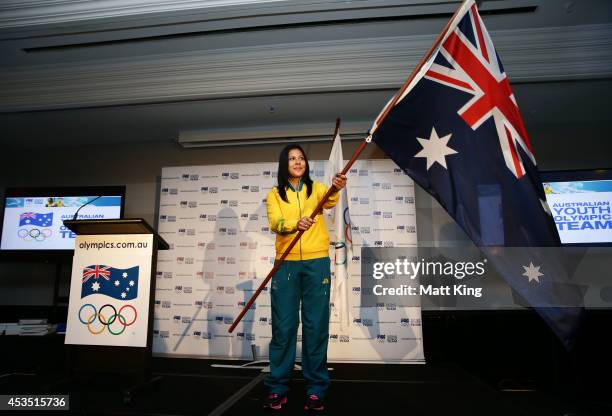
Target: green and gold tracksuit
{"x":304,"y":277}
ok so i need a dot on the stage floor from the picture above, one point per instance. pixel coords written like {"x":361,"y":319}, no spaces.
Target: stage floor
{"x":193,"y":387}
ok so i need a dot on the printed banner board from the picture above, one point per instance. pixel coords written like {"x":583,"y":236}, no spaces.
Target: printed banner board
{"x":109,"y":290}
{"x":221,"y":248}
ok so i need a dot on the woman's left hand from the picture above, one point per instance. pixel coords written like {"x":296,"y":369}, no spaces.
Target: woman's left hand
{"x":339,"y":181}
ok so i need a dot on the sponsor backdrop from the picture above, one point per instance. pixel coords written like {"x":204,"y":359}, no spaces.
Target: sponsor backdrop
{"x":109,"y":290}
{"x":221,"y":248}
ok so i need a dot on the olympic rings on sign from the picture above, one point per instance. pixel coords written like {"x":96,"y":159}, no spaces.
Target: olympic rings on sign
{"x":114,"y":314}
{"x":91,"y":320}
{"x":135,"y":313}
{"x":121,"y":321}
{"x":106,"y":323}
{"x":95,"y":313}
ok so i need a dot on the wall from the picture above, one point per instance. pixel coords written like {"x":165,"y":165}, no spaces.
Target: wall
{"x":138,"y":167}
{"x":581,"y":143}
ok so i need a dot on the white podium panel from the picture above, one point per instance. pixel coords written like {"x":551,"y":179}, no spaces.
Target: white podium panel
{"x":109,"y":290}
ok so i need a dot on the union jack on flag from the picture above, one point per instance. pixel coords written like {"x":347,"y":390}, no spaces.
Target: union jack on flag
{"x":120,"y":284}
{"x":472,"y":65}
{"x":96,"y":271}
{"x":457,"y":131}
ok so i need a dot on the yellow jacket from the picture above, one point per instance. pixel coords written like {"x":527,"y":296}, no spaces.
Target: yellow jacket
{"x":283,"y":218}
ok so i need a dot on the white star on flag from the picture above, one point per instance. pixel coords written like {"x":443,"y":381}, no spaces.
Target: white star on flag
{"x":131,"y":283}
{"x":435,"y":149}
{"x":95,"y":287}
{"x":124,"y":275}
{"x":116,"y":282}
{"x":123,"y":295}
{"x":532,"y":272}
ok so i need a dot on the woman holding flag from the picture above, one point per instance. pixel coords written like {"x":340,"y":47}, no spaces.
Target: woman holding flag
{"x":304,"y":277}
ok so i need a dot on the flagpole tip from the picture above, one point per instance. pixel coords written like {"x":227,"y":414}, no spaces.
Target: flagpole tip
{"x":337,"y":129}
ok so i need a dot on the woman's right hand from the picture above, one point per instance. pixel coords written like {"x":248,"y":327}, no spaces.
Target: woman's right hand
{"x":304,"y":223}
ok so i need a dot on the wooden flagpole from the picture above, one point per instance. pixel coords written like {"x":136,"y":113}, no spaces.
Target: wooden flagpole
{"x":350,"y":163}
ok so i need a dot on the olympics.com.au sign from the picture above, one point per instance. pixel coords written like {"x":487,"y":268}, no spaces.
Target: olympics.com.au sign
{"x":110,"y":290}
{"x":486,"y":278}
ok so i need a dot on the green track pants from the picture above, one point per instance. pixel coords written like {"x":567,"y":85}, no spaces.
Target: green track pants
{"x":308,"y":282}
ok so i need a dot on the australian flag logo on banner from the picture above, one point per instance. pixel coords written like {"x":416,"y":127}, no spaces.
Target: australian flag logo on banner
{"x":457,"y":131}
{"x":35,"y":218}
{"x":120,"y":284}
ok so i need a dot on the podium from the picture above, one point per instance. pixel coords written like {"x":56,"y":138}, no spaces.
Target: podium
{"x":112,"y":293}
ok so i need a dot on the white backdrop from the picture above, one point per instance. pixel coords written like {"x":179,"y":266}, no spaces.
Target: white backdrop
{"x":214,"y":218}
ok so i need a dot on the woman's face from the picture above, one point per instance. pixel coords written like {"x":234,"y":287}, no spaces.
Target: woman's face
{"x":297,"y":164}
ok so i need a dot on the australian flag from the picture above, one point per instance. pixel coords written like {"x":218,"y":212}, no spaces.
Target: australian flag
{"x":120,"y":284}
{"x":35,"y":218}
{"x":457,"y":131}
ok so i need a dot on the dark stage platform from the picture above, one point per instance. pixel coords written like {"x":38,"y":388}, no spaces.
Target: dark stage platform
{"x":478,"y":363}
{"x":193,"y":387}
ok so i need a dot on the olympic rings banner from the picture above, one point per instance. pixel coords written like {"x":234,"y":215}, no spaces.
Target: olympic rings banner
{"x":214,"y":218}
{"x":109,"y":290}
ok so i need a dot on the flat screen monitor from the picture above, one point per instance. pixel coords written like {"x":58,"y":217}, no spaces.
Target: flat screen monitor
{"x":33,"y":217}
{"x":581,"y":204}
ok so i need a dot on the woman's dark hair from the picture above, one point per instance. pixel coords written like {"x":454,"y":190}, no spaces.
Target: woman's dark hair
{"x":283,"y":172}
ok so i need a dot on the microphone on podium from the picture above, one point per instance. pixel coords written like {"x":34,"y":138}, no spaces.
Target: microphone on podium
{"x":84,"y":205}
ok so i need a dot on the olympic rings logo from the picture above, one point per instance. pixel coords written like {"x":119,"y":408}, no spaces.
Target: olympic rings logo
{"x":106,"y":323}
{"x":347,"y":226}
{"x":34,"y":234}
